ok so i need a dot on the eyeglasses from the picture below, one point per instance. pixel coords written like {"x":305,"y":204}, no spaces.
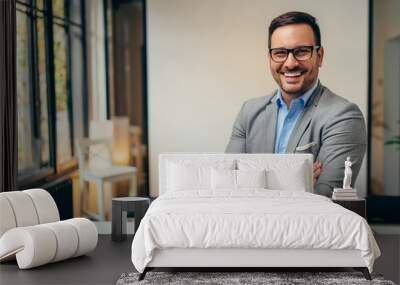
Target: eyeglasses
{"x":302,"y":53}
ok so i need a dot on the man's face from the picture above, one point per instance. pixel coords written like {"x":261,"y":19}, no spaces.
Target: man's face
{"x":293,"y":76}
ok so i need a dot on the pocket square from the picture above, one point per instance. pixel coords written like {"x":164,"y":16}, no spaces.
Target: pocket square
{"x":307,"y":148}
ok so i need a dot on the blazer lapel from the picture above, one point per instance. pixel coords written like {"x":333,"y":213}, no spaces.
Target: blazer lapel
{"x":270,"y":124}
{"x":304,"y":120}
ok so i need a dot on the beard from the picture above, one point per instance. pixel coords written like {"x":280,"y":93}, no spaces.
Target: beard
{"x":293,"y":85}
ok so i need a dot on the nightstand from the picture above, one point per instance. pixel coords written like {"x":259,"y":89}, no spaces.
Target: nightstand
{"x":120,"y":208}
{"x":358,"y":206}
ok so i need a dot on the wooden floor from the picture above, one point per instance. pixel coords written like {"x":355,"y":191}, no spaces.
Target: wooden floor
{"x":103,"y":266}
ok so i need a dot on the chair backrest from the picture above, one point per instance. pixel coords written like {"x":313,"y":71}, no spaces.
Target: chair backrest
{"x":26,"y":208}
{"x":93,"y":152}
{"x":286,"y":170}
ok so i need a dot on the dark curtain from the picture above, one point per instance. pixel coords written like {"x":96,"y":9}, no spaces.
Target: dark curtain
{"x":8,"y":107}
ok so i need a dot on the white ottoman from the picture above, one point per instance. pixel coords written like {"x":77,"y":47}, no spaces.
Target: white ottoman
{"x":31,"y":232}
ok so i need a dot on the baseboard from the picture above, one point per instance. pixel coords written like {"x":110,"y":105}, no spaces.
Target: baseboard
{"x":387,"y":229}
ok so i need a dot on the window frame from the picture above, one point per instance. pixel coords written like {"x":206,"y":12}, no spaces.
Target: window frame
{"x":54,"y":169}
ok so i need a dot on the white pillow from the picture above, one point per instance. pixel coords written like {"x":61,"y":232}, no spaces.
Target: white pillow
{"x":237,"y":179}
{"x":251,"y":178}
{"x":223,"y":179}
{"x":281,"y":174}
{"x":193,"y":174}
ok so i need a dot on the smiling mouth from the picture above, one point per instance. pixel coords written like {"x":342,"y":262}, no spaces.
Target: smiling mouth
{"x":292,"y":74}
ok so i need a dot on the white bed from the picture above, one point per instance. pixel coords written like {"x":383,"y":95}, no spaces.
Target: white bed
{"x":201,"y":220}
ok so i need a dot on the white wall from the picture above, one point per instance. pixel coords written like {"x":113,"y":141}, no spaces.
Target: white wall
{"x":205,"y":58}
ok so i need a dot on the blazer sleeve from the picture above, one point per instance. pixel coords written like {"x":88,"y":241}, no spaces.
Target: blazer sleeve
{"x":237,"y":141}
{"x":343,"y":135}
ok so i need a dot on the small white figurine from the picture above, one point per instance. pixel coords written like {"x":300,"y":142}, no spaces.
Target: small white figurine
{"x":347,"y":174}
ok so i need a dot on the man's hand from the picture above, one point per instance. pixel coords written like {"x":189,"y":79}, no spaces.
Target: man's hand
{"x":317,"y":171}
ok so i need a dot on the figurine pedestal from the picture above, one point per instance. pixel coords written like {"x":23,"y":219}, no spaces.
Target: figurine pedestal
{"x":344,"y":190}
{"x":344,"y":194}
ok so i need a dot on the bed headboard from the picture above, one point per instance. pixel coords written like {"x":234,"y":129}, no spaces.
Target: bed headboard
{"x":283,"y":160}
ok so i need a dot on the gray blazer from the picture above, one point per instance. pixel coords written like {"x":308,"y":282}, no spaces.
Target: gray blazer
{"x":335,"y":125}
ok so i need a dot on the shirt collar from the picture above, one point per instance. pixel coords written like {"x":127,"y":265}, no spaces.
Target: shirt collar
{"x":303,"y":99}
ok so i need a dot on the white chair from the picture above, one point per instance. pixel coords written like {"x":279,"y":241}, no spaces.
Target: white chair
{"x":31,"y":231}
{"x":101,"y":173}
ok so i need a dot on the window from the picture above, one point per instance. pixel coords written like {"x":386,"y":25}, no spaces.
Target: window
{"x":50,"y":84}
{"x":60,"y":47}
{"x":385,"y":108}
{"x":32,"y":82}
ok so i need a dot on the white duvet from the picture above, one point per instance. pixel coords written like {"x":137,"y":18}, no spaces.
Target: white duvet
{"x":250,"y":219}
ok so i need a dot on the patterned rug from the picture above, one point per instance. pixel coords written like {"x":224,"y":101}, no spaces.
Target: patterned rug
{"x":231,"y":278}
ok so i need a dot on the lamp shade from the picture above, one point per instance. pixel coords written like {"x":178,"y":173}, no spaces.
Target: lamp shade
{"x":120,"y":148}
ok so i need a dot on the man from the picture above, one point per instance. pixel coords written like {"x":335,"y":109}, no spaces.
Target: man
{"x":302,"y":115}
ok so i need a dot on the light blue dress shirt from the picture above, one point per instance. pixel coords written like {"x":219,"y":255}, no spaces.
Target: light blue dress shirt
{"x":287,"y":118}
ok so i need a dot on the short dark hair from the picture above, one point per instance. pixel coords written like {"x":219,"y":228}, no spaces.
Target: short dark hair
{"x":295,"y":17}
